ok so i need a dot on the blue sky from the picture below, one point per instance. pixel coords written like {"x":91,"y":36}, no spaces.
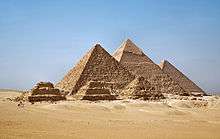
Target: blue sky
{"x":41,"y":40}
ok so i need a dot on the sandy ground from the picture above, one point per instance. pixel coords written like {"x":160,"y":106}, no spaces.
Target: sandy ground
{"x":177,"y":119}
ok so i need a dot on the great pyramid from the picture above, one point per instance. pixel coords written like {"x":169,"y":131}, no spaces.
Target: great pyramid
{"x":180,"y":78}
{"x":96,"y":66}
{"x":133,"y":59}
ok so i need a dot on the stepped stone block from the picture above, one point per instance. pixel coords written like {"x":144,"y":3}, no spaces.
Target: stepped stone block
{"x":93,"y":91}
{"x":140,"y":88}
{"x":37,"y":98}
{"x":45,"y":91}
{"x":96,"y":91}
{"x":99,"y":97}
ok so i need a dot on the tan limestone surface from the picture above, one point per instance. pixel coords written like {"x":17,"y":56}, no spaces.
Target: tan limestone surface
{"x":44,"y":91}
{"x":180,"y":78}
{"x":133,"y":59}
{"x":140,"y":88}
{"x":96,"y":90}
{"x":96,"y":65}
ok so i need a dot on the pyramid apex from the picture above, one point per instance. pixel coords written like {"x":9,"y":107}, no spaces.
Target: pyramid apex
{"x":128,"y":40}
{"x":162,"y":63}
{"x":165,"y":61}
{"x":127,"y":46}
{"x":97,"y":45}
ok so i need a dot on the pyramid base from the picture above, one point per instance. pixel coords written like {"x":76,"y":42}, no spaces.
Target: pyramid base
{"x":99,"y":97}
{"x":38,"y":98}
{"x":148,"y":96}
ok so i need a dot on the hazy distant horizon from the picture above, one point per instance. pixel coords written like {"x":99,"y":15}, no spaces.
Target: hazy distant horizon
{"x":42,"y":40}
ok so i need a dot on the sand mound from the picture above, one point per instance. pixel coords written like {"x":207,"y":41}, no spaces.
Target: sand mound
{"x":110,"y":119}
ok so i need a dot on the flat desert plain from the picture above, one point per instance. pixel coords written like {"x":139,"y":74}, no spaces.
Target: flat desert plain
{"x":130,"y":119}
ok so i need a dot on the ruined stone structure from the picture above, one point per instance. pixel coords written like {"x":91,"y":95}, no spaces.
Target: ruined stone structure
{"x":180,"y":78}
{"x":45,"y":91}
{"x":96,"y":90}
{"x":97,"y":68}
{"x":141,"y":88}
{"x":133,"y":59}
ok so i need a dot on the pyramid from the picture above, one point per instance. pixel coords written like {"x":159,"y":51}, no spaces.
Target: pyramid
{"x":45,"y":91}
{"x":133,"y":59}
{"x":97,"y":90}
{"x":96,"y":66}
{"x":140,"y":88}
{"x":180,"y":78}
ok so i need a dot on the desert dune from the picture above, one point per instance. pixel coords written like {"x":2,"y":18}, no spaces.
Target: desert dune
{"x":169,"y":118}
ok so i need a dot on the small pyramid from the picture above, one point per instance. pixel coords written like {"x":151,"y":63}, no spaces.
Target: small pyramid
{"x":133,"y":59}
{"x":136,"y":86}
{"x":45,"y":91}
{"x":97,"y":90}
{"x":140,"y":88}
{"x":180,"y":78}
{"x":98,"y":66}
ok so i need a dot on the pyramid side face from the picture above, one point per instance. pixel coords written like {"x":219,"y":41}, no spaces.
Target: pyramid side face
{"x":142,"y":65}
{"x":180,"y":78}
{"x":152,"y":72}
{"x":97,"y":65}
{"x":132,"y":58}
{"x":101,"y":66}
{"x":138,"y":84}
{"x":127,"y":50}
{"x":70,"y":79}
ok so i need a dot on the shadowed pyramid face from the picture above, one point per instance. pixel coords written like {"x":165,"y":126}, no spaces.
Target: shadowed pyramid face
{"x":96,"y":65}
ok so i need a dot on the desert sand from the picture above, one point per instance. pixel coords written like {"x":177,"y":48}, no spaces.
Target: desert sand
{"x":165,"y":119}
